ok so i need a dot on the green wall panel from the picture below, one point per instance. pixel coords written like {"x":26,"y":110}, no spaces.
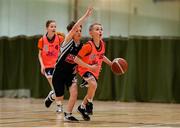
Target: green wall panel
{"x":153,"y":74}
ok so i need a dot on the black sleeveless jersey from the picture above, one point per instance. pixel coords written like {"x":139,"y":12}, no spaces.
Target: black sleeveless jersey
{"x":65,"y":60}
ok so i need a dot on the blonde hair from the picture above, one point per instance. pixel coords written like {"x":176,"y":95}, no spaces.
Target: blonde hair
{"x":92,"y":25}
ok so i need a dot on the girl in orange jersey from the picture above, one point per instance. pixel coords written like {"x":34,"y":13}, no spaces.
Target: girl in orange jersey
{"x":49,"y":47}
{"x":91,"y":53}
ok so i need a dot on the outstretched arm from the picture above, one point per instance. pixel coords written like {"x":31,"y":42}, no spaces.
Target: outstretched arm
{"x":78,"y":23}
{"x":107,"y":61}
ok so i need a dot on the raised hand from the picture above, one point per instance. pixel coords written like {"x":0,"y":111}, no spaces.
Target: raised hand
{"x":89,"y":11}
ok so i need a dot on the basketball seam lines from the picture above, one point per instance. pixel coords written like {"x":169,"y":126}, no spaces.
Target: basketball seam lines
{"x":120,"y":67}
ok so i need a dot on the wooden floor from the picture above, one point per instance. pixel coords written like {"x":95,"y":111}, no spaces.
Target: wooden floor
{"x":31,"y":113}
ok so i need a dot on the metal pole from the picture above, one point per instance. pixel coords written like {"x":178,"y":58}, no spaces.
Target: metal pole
{"x":76,"y":9}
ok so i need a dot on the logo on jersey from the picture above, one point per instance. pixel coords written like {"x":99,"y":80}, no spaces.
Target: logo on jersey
{"x":45,"y":47}
{"x":101,"y":56}
{"x":49,"y":73}
{"x":70,"y":59}
{"x":56,"y":47}
{"x":51,"y":50}
{"x":50,"y":53}
{"x":92,"y":57}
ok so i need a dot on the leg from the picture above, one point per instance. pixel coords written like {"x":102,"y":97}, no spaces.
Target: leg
{"x":51,"y":96}
{"x":72,"y":82}
{"x":72,"y":100}
{"x":73,"y":97}
{"x":92,"y":85}
{"x":58,"y":86}
{"x":87,"y":101}
{"x":48,"y":74}
{"x":59,"y":100}
{"x":59,"y":104}
{"x":50,"y":83}
{"x":85,"y":109}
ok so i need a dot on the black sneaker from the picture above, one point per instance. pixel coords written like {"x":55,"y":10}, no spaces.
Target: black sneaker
{"x":69,"y":117}
{"x":84,"y":84}
{"x":49,"y":100}
{"x":89,"y":108}
{"x":81,"y":111}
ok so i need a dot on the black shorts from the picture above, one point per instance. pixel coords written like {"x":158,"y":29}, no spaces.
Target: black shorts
{"x":49,"y":72}
{"x":61,"y":80}
{"x":88,"y":75}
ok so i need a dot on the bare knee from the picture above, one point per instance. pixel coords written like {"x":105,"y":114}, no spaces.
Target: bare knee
{"x":93,"y":84}
{"x":59,"y":98}
{"x":74,"y":94}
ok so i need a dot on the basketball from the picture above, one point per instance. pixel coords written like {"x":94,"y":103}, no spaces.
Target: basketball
{"x":119,"y":66}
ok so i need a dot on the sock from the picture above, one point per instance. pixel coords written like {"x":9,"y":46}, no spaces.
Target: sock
{"x":89,"y":100}
{"x":53,"y":96}
{"x":59,"y":103}
{"x":83,"y":106}
{"x":68,"y":113}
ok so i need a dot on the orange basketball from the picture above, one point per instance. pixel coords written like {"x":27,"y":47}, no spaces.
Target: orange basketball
{"x":119,"y":66}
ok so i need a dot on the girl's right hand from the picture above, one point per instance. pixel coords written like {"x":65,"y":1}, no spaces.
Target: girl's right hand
{"x":43,"y":70}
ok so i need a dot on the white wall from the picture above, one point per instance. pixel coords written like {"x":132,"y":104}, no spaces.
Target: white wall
{"x":119,"y":17}
{"x":149,"y":18}
{"x":136,"y":17}
{"x":28,"y":17}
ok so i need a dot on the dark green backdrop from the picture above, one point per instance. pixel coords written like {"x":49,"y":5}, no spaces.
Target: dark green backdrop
{"x":153,"y":74}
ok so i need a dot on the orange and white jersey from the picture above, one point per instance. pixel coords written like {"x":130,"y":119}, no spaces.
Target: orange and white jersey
{"x":50,"y":50}
{"x":91,"y":55}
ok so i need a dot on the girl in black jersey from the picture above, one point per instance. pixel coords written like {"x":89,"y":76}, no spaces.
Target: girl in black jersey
{"x":64,"y":73}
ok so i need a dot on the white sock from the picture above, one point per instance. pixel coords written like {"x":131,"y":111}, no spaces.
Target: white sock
{"x":53,"y":96}
{"x":83,"y":106}
{"x":90,"y":100}
{"x":59,"y":103}
{"x":68,"y":113}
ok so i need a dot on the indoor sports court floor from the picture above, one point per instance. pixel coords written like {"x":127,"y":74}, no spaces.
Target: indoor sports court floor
{"x":31,"y":113}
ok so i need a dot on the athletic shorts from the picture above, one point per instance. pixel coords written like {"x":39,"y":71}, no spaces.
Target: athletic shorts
{"x":60,"y":80}
{"x":49,"y":72}
{"x":88,"y":75}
